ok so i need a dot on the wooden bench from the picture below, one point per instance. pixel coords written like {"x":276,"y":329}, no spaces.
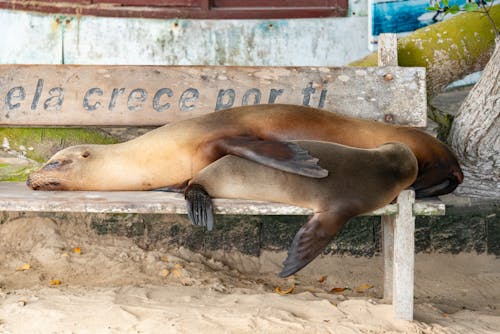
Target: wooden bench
{"x":69,"y":95}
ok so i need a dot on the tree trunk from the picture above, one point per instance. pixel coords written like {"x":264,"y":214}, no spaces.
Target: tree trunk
{"x":475,"y":134}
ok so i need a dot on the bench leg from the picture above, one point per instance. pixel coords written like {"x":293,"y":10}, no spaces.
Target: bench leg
{"x":388,"y":253}
{"x":404,"y":257}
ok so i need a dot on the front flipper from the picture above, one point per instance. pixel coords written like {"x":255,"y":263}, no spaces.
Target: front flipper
{"x":174,"y":188}
{"x":310,"y":241}
{"x":285,"y":156}
{"x":199,"y":206}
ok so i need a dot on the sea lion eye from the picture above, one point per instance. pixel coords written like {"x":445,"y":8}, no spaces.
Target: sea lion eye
{"x":56,"y":164}
{"x":51,"y":165}
{"x":85,"y":154}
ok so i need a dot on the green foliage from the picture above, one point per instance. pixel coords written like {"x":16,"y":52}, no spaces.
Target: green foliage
{"x":479,"y":6}
{"x":470,"y":6}
{"x":443,"y":121}
{"x":444,"y":7}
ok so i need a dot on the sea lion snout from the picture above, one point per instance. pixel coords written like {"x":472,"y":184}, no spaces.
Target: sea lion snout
{"x":63,"y":170}
{"x":29,"y":182}
{"x":458,"y":176}
{"x":46,"y":178}
{"x":37,"y":182}
{"x":448,"y":184}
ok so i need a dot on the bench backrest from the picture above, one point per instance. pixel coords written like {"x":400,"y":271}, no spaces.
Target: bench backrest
{"x":72,"y":95}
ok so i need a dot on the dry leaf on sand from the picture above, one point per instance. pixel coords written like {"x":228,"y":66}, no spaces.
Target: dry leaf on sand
{"x":363,"y":287}
{"x":282,"y":292}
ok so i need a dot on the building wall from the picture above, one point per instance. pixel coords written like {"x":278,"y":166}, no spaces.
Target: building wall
{"x":29,"y":37}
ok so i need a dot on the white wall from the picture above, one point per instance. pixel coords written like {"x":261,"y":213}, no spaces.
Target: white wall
{"x":52,"y":38}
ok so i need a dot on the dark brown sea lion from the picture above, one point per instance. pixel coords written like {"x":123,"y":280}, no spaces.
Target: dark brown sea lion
{"x":359,"y":181}
{"x":172,"y":154}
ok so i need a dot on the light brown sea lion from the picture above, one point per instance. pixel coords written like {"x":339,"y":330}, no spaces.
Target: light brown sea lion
{"x":359,"y":181}
{"x":170,"y":155}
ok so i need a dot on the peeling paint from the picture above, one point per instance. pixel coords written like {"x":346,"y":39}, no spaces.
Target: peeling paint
{"x":98,"y":40}
{"x":344,"y":78}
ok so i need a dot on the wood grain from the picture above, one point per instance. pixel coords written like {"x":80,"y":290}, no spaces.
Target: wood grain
{"x":70,"y":95}
{"x":16,"y":196}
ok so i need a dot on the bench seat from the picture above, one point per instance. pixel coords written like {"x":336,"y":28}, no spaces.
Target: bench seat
{"x":16,"y":196}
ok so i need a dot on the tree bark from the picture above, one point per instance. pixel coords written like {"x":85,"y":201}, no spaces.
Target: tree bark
{"x":475,"y":134}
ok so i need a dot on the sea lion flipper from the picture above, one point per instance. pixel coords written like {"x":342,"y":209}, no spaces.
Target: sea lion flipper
{"x":174,"y":188}
{"x":199,"y":206}
{"x":282,"y":155}
{"x":309,"y":242}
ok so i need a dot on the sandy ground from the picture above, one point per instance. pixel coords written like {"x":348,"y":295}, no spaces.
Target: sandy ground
{"x":60,"y":277}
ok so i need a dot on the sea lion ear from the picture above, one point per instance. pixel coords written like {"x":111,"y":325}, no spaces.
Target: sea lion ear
{"x":199,"y":206}
{"x":310,"y":241}
{"x":282,"y":155}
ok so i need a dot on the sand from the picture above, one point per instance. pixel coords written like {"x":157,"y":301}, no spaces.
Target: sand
{"x":60,"y":277}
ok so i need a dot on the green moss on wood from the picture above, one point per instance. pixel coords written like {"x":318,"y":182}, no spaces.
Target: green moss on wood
{"x":10,"y":173}
{"x":46,"y":141}
{"x":370,"y":60}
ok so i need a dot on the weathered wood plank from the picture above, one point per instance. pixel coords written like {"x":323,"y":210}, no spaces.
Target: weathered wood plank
{"x":388,"y":252}
{"x":388,"y":50}
{"x":70,"y":95}
{"x":16,"y":196}
{"x":404,"y":257}
{"x":388,"y":55}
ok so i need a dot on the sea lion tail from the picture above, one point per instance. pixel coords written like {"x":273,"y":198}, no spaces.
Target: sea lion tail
{"x":310,"y":241}
{"x":199,"y":206}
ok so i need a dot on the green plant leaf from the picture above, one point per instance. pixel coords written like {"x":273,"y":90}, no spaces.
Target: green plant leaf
{"x":471,"y":6}
{"x":453,"y":9}
{"x":445,"y":3}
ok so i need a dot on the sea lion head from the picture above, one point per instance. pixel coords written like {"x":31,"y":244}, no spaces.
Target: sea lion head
{"x":439,"y":171}
{"x":68,"y":169}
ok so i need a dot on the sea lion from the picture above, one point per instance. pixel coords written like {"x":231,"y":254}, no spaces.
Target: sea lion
{"x":359,"y":181}
{"x":172,"y":154}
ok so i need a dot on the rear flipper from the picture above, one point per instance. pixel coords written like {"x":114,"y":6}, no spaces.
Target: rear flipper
{"x":310,"y":241}
{"x":445,"y":187}
{"x":285,"y":156}
{"x":199,"y":206}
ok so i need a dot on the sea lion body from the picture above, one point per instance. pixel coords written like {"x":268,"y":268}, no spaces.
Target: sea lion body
{"x":174,"y":153}
{"x":359,"y":181}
